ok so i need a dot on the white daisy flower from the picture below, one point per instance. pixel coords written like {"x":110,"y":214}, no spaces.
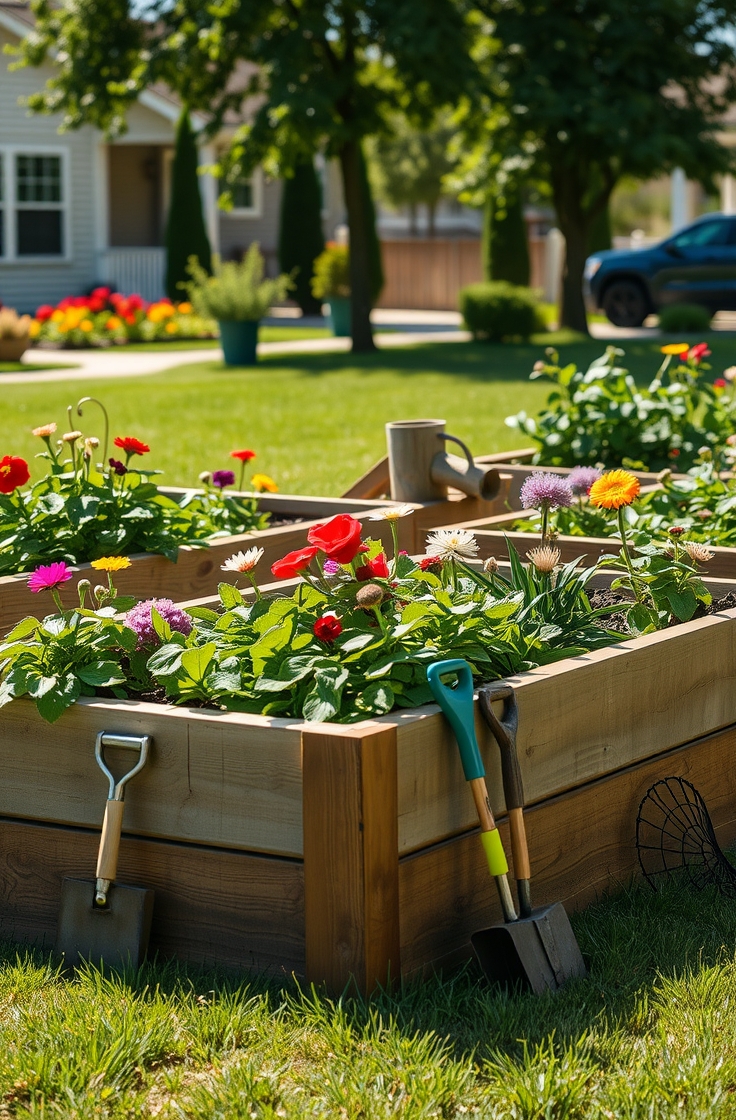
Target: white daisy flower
{"x":243,"y":561}
{"x":452,"y":544}
{"x":390,"y":513}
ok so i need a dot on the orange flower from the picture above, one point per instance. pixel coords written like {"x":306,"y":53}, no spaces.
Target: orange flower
{"x":675,"y":348}
{"x":614,"y":489}
{"x":263,"y":482}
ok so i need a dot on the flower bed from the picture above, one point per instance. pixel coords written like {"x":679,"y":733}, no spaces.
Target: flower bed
{"x":108,"y":318}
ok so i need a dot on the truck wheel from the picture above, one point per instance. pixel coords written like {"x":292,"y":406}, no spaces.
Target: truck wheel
{"x":625,"y":303}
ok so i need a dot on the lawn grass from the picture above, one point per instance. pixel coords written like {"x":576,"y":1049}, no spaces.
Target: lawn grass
{"x":316,"y":420}
{"x":650,"y":1033}
{"x":23,"y":367}
{"x":265,"y":334}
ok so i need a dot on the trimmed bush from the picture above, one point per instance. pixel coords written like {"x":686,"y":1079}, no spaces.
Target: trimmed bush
{"x":186,"y":235}
{"x":505,"y":245}
{"x":300,"y":233}
{"x":691,"y":318}
{"x":495,"y":311}
{"x":332,"y":273}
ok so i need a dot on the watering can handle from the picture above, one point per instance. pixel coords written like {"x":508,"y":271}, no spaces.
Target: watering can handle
{"x":457,"y":704}
{"x":447,"y":438}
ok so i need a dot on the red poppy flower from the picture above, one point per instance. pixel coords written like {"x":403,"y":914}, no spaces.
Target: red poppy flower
{"x":695,"y":353}
{"x":719,"y":383}
{"x":327,"y":628}
{"x":130,"y":445}
{"x":44,"y":312}
{"x":339,"y":538}
{"x":377,"y":568}
{"x":243,"y":456}
{"x":13,"y":473}
{"x":294,"y":562}
{"x":428,"y":562}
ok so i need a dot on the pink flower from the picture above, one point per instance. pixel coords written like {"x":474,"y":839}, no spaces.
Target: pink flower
{"x":139,"y":619}
{"x":49,"y":576}
{"x":719,"y":383}
{"x":695,"y":353}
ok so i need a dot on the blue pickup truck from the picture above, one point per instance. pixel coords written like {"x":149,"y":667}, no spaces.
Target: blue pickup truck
{"x":695,"y":265}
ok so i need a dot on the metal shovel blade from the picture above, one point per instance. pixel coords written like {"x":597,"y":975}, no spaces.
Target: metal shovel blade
{"x":116,"y":934}
{"x":539,"y":953}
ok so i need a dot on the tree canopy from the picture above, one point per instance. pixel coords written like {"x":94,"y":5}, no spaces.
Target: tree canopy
{"x":409,"y":165}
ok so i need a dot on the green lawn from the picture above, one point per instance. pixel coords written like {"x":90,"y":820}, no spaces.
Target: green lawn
{"x":315,"y":420}
{"x":23,"y":367}
{"x":650,"y":1034}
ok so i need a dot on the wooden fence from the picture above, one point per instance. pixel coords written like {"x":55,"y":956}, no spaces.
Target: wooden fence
{"x":428,"y":274}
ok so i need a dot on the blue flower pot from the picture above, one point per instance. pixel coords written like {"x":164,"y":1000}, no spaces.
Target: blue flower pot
{"x":340,"y":316}
{"x":239,"y":340}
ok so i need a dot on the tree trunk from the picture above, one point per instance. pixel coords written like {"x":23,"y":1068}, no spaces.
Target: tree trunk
{"x":568,"y":195}
{"x":360,"y":279}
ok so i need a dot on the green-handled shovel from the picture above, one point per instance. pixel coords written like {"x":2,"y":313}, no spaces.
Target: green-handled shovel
{"x":538,"y":950}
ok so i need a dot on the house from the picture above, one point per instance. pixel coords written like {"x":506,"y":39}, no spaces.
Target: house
{"x":77,"y":210}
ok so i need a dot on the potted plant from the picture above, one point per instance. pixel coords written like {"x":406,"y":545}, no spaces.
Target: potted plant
{"x":14,"y":334}
{"x":237,"y":296}
{"x":331,"y":282}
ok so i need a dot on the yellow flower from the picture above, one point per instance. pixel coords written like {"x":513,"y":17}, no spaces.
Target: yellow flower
{"x":263,"y":482}
{"x":57,"y":316}
{"x":171,"y":328}
{"x":111,"y":563}
{"x":113,"y":323}
{"x":86,"y":325}
{"x":185,"y":308}
{"x":675,"y":348}
{"x":35,"y":328}
{"x":614,"y":489}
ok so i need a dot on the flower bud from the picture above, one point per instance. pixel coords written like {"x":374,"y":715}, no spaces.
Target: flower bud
{"x":205,"y":477}
{"x":101,"y":592}
{"x":371,"y":595}
{"x":705,"y":453}
{"x":70,"y":437}
{"x":490,"y":565}
{"x":664,"y":476}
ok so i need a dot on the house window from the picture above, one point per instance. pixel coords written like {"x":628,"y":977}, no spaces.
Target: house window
{"x":39,"y":205}
{"x":246,"y":195}
{"x":34,"y":204}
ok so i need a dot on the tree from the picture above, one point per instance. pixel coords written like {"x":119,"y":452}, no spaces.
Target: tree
{"x":409,"y":165}
{"x":300,"y":231}
{"x":310,"y":73}
{"x":505,"y":242}
{"x":596,"y":89}
{"x":186,"y":235}
{"x":375,"y":263}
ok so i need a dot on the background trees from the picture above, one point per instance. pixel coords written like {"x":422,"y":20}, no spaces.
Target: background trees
{"x":409,"y":164}
{"x":185,"y":230}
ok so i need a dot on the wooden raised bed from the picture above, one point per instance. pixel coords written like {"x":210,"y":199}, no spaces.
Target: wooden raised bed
{"x":351,"y":851}
{"x":197,"y":570}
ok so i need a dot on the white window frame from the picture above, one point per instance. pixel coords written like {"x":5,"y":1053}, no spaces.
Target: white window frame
{"x":256,"y":210}
{"x":10,"y":205}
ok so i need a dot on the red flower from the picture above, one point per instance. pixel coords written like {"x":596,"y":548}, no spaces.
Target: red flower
{"x":44,"y":312}
{"x":294,"y":562}
{"x":377,"y":568}
{"x":674,"y":452}
{"x":130,"y":445}
{"x":428,"y":562}
{"x":719,"y":383}
{"x":13,"y":473}
{"x":327,"y":628}
{"x":243,"y":456}
{"x":695,"y":353}
{"x":339,"y":538}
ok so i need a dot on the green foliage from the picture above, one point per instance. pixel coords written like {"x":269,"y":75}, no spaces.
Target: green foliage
{"x":505,"y":243}
{"x":375,"y":263}
{"x":497,"y":310}
{"x":332,"y":273}
{"x":687,"y":317}
{"x":602,"y":416}
{"x":186,"y":235}
{"x":237,"y":290}
{"x":408,"y":165}
{"x":300,"y":232}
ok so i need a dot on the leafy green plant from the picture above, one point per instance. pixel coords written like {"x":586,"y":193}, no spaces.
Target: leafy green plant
{"x":332,"y":273}
{"x":237,"y":290}
{"x":497,"y":310}
{"x":601,"y":416}
{"x":687,"y":317}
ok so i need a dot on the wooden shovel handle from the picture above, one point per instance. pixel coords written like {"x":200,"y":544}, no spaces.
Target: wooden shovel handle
{"x":504,"y":732}
{"x":112,"y":826}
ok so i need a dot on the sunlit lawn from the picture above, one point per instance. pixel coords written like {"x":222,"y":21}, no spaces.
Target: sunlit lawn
{"x":316,"y":420}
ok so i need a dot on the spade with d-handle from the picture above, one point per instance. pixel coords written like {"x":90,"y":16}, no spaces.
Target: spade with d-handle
{"x":538,"y":951}
{"x":104,"y":922}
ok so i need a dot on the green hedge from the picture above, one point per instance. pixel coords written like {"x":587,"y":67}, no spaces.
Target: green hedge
{"x":688,"y":317}
{"x":496,"y":310}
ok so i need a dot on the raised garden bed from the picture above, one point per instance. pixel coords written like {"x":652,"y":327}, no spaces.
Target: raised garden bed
{"x":339,"y":851}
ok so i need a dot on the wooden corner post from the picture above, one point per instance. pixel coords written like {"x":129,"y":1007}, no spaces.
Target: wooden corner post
{"x":351,"y":857}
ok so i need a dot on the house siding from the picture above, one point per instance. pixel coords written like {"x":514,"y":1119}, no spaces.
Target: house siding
{"x":238,"y":233}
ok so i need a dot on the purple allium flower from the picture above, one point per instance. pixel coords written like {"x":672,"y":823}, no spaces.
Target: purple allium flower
{"x":118,"y":467}
{"x":49,"y":576}
{"x":223,"y":478}
{"x":581,"y":479}
{"x":545,"y":490}
{"x":139,"y":619}
{"x":330,"y":567}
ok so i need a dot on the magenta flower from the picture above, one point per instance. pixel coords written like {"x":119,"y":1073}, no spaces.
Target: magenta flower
{"x":221,"y":479}
{"x":49,"y":576}
{"x":581,"y":479}
{"x":545,"y":491}
{"x":139,"y":619}
{"x":330,"y":567}
{"x":118,"y":467}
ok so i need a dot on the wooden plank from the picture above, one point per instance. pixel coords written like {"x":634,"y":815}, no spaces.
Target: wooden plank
{"x":211,"y":906}
{"x":213,"y":778}
{"x":350,"y":857}
{"x":373,"y":483}
{"x":581,"y":844}
{"x":578,"y":719}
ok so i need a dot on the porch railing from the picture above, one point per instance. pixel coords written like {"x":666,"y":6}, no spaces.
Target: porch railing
{"x":140,"y":270}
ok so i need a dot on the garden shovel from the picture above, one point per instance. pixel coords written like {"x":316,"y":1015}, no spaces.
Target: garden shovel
{"x":537,"y":951}
{"x":104,"y":921}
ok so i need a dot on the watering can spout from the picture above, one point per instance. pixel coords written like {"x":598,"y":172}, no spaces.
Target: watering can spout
{"x":421,"y":470}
